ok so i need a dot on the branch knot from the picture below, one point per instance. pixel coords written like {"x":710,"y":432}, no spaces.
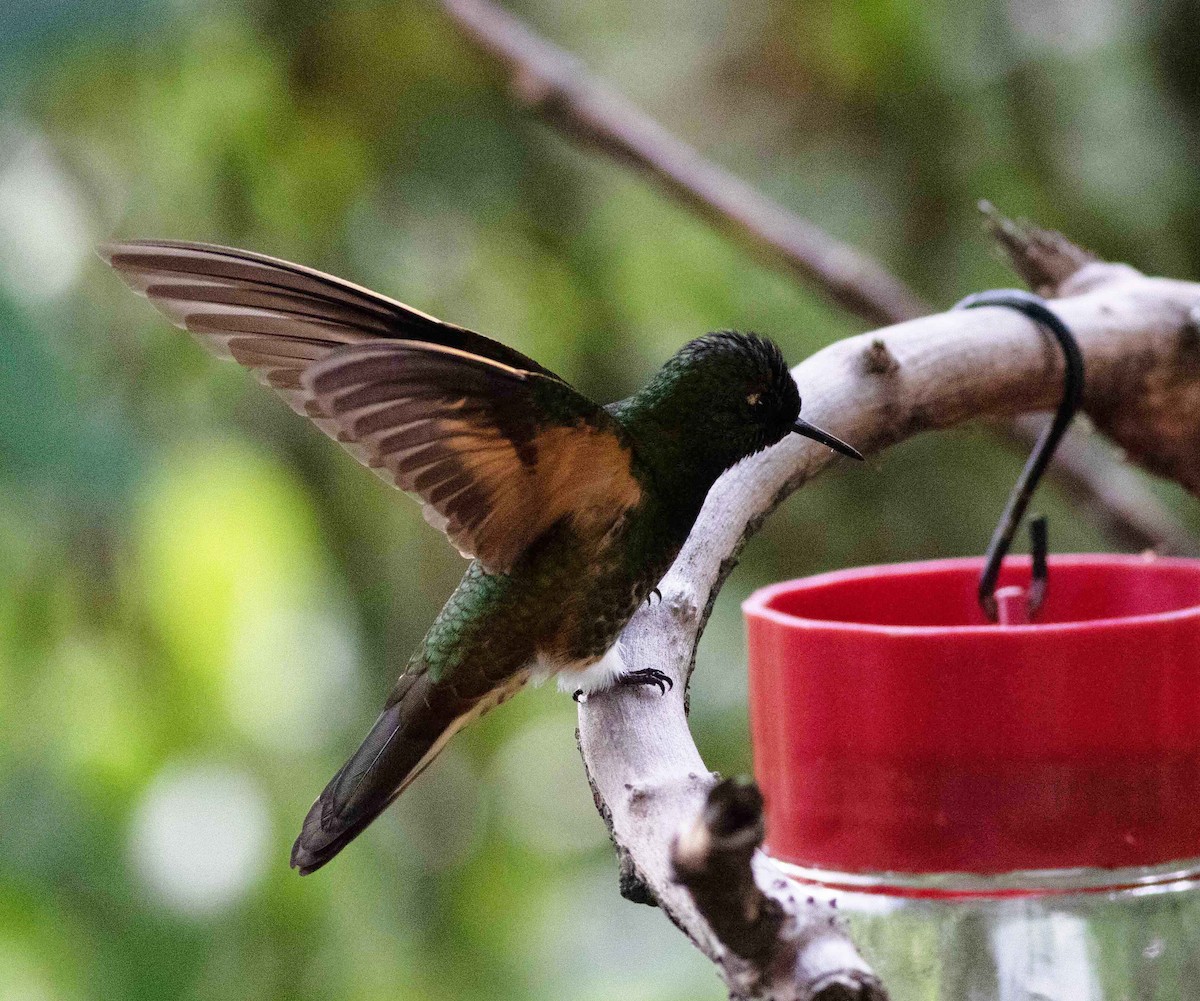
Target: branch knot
{"x":878,"y":359}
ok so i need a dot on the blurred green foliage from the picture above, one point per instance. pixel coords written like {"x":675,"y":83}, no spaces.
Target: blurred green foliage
{"x":202,"y":600}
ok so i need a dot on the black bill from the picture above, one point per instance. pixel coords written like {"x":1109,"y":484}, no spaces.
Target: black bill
{"x":825,"y":438}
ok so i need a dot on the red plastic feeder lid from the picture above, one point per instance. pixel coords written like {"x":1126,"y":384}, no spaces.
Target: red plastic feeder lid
{"x":895,"y":730}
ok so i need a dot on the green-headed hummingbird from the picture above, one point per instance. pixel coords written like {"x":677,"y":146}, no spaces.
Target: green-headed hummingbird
{"x":571,"y":512}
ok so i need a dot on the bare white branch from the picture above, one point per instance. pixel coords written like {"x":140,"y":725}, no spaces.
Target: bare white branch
{"x":1142,"y":353}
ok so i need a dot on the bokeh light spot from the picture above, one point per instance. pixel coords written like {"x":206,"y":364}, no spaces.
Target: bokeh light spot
{"x":44,"y":232}
{"x":293,"y":675}
{"x":199,"y":837}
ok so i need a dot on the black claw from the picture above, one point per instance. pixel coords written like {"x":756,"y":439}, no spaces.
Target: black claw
{"x":653,"y":592}
{"x":649,"y":676}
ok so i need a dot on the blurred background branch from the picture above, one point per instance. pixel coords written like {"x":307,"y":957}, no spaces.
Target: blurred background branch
{"x":554,"y":85}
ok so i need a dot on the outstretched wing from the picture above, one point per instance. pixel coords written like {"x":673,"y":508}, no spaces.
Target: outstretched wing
{"x":497,"y":448}
{"x":276,"y":317}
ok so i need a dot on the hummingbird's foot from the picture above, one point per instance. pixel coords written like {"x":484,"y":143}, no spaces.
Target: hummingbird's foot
{"x":579,"y":695}
{"x":648,"y":676}
{"x":653,"y":592}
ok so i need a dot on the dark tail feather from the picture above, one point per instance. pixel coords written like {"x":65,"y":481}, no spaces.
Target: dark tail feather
{"x":407,"y":736}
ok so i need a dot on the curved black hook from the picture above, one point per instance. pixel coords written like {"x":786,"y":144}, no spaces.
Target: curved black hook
{"x":1073,"y":376}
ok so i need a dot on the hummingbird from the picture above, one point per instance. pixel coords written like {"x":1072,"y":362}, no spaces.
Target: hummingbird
{"x":570,"y":512}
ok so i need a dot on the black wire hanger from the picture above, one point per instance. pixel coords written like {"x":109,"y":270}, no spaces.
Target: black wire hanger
{"x":1035,"y":308}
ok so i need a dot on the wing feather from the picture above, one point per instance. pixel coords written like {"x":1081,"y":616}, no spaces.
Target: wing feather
{"x":475,"y":440}
{"x":496,"y":447}
{"x":219,"y":292}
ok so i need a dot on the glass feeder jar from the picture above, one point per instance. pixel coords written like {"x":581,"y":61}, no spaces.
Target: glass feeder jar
{"x":1000,"y":812}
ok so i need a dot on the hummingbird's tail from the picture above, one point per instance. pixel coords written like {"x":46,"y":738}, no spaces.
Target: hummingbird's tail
{"x":421,"y":715}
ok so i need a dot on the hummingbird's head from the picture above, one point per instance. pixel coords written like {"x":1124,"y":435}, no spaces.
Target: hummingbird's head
{"x":746,"y":394}
{"x":732,"y":395}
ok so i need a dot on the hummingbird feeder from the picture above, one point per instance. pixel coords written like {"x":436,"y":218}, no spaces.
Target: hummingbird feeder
{"x":1004,"y":754}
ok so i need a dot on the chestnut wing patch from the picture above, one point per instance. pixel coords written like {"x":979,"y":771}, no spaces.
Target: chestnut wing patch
{"x":496,"y":454}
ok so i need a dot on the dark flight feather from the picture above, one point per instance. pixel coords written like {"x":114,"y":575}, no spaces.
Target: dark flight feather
{"x":263,"y":312}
